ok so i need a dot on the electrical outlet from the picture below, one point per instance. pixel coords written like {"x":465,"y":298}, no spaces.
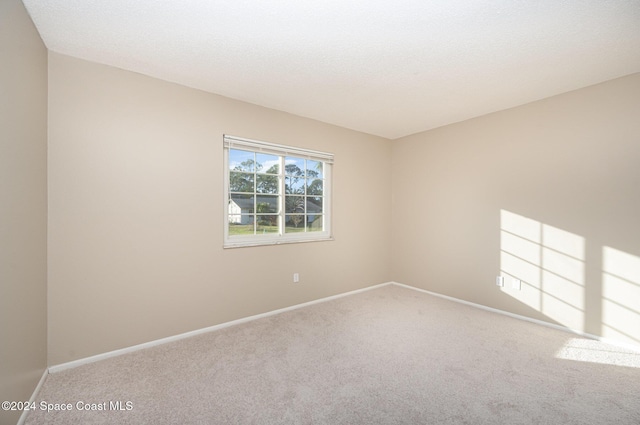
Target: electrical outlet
{"x":500,"y":281}
{"x":516,"y":284}
{"x":296,"y":277}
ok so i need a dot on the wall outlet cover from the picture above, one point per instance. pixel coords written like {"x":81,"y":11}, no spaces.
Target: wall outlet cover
{"x":516,"y":284}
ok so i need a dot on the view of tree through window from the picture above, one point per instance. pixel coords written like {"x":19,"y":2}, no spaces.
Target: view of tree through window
{"x":271,"y":194}
{"x":254,"y":192}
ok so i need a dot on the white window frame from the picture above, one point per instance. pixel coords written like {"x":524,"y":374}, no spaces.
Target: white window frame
{"x":236,"y":241}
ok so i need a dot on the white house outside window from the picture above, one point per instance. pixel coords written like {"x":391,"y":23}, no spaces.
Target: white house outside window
{"x":275,"y":194}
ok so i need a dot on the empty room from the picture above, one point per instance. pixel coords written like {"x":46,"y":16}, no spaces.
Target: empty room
{"x":278,"y":212}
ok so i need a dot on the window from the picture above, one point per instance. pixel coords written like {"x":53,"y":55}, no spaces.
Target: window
{"x":275,"y":194}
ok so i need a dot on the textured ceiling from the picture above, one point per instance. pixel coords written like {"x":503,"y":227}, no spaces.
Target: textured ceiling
{"x":389,"y":68}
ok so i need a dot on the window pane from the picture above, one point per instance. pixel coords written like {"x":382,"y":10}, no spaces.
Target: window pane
{"x":315,"y":223}
{"x":294,"y":204}
{"x":244,"y":226}
{"x":241,"y":204}
{"x":314,"y":169}
{"x":267,"y":224}
{"x":314,"y":205}
{"x":266,"y":204}
{"x":273,"y":195}
{"x":266,"y":183}
{"x":314,"y":187}
{"x":294,"y":185}
{"x":241,"y":182}
{"x":241,"y":160}
{"x":267,"y":163}
{"x":294,"y":166}
{"x":294,"y":223}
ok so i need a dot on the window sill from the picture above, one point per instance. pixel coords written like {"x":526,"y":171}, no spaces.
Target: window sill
{"x":254,"y":243}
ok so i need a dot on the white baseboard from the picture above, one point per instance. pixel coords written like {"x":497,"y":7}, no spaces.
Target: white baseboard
{"x":525,"y":318}
{"x":114,"y":353}
{"x":23,"y":417}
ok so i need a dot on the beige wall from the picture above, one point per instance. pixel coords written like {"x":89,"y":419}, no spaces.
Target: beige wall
{"x":548,"y":192}
{"x":23,"y":206}
{"x":136,"y":212}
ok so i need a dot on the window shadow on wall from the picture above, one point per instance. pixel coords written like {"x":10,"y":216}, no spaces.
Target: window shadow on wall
{"x":550,"y":262}
{"x":552,"y":265}
{"x":620,"y":295}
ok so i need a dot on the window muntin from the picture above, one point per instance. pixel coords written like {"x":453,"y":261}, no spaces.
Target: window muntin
{"x":275,"y":194}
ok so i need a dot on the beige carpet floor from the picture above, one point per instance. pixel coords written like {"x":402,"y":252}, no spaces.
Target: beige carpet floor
{"x":390,"y":355}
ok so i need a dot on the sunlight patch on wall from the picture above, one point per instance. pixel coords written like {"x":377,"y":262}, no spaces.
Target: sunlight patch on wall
{"x":549,"y":262}
{"x":587,"y":350}
{"x":620,"y":295}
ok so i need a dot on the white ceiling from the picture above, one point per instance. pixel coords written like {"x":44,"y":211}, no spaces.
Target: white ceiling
{"x":384,"y":67}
